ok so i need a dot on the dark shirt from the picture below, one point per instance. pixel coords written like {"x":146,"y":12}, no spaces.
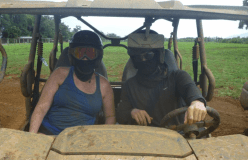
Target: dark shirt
{"x":176,"y":90}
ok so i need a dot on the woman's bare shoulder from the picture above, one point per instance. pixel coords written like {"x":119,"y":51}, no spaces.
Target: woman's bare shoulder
{"x":59,"y":74}
{"x":61,"y":71}
{"x":105,"y":85}
{"x":103,"y":80}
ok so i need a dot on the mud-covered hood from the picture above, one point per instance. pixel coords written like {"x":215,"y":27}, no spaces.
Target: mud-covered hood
{"x":118,"y":142}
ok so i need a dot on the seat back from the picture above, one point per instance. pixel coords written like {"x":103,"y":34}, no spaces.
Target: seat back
{"x":130,"y":71}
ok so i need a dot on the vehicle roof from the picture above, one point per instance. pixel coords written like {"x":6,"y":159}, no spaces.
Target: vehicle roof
{"x":127,"y":8}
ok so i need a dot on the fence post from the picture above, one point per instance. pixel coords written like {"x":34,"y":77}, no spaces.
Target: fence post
{"x":8,"y":41}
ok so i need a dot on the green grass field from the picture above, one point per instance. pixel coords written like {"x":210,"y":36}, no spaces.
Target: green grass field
{"x":228,"y":63}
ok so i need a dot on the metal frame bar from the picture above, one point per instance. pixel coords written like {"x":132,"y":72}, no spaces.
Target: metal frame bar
{"x":30,"y":75}
{"x":115,"y":41}
{"x":203,"y":78}
{"x":52,"y":57}
{"x":122,"y":12}
{"x":177,"y":54}
{"x":4,"y":62}
{"x":206,"y":74}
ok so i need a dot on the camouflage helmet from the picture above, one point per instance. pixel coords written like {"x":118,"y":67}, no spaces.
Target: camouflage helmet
{"x":138,"y":44}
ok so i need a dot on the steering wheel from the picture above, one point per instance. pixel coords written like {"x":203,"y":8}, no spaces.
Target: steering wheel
{"x":189,"y":129}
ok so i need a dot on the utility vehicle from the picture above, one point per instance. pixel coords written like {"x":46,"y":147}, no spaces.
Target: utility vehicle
{"x":120,"y":141}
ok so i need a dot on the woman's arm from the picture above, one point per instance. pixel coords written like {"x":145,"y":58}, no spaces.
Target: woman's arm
{"x":108,"y":101}
{"x":46,"y":98}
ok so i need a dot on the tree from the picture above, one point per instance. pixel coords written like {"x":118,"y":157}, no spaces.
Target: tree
{"x":13,"y":26}
{"x":16,"y":25}
{"x":75,"y":30}
{"x":13,"y":32}
{"x":103,"y":39}
{"x":47,"y":26}
{"x":65,"y":31}
{"x":4,"y":23}
{"x":112,"y":35}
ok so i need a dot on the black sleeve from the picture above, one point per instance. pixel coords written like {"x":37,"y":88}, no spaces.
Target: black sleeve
{"x":186,"y":87}
{"x":123,"y":111}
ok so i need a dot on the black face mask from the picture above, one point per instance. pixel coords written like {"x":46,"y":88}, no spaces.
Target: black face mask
{"x":81,"y":75}
{"x":147,"y":67}
{"x":84,"y":69}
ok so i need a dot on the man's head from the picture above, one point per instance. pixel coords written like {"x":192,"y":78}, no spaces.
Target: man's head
{"x":147,"y":54}
{"x":85,"y":53}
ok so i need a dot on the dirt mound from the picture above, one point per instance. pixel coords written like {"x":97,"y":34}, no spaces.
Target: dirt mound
{"x":12,"y":103}
{"x":234,"y":120}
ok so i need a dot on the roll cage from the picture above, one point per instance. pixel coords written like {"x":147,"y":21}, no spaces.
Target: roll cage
{"x":152,"y":11}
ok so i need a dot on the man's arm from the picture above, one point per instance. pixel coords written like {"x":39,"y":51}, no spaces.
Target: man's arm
{"x":124,"y":108}
{"x":127,"y":114}
{"x":187,"y":89}
{"x":192,"y":96}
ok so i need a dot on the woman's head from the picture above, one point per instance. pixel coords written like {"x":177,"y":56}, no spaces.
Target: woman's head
{"x":85,"y":53}
{"x":86,"y":44}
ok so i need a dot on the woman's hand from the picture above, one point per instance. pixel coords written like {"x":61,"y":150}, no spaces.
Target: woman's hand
{"x":141,"y":117}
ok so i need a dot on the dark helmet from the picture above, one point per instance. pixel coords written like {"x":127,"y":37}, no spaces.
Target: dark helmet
{"x":137,"y":44}
{"x":87,"y":38}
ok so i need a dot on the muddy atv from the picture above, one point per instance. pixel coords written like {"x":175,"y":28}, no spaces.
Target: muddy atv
{"x":125,"y":142}
{"x":120,"y":141}
{"x":244,"y":96}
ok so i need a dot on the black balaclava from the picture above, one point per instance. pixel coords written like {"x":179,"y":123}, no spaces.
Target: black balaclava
{"x":148,"y":67}
{"x":84,"y":69}
{"x":151,"y":72}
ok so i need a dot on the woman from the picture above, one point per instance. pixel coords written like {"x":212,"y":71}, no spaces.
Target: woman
{"x":74,"y":96}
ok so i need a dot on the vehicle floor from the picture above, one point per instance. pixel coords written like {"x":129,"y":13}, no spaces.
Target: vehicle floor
{"x":234,"y":120}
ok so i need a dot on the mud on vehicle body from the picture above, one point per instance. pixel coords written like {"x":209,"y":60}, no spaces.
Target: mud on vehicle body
{"x":120,"y":141}
{"x":244,"y":96}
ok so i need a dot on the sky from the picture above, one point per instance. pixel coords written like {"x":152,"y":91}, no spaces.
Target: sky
{"x":187,"y":28}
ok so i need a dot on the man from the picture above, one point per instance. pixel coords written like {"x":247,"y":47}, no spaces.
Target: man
{"x":156,"y":90}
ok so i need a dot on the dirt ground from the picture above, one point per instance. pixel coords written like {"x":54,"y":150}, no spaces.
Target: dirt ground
{"x":234,"y":120}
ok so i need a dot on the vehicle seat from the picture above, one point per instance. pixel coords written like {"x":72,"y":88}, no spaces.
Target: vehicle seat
{"x":130,"y":71}
{"x":64,"y":62}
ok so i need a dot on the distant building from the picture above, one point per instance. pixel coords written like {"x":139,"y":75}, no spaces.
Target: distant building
{"x":25,"y":39}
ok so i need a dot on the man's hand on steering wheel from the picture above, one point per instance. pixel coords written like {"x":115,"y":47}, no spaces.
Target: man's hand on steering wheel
{"x":141,"y":116}
{"x":195,"y":113}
